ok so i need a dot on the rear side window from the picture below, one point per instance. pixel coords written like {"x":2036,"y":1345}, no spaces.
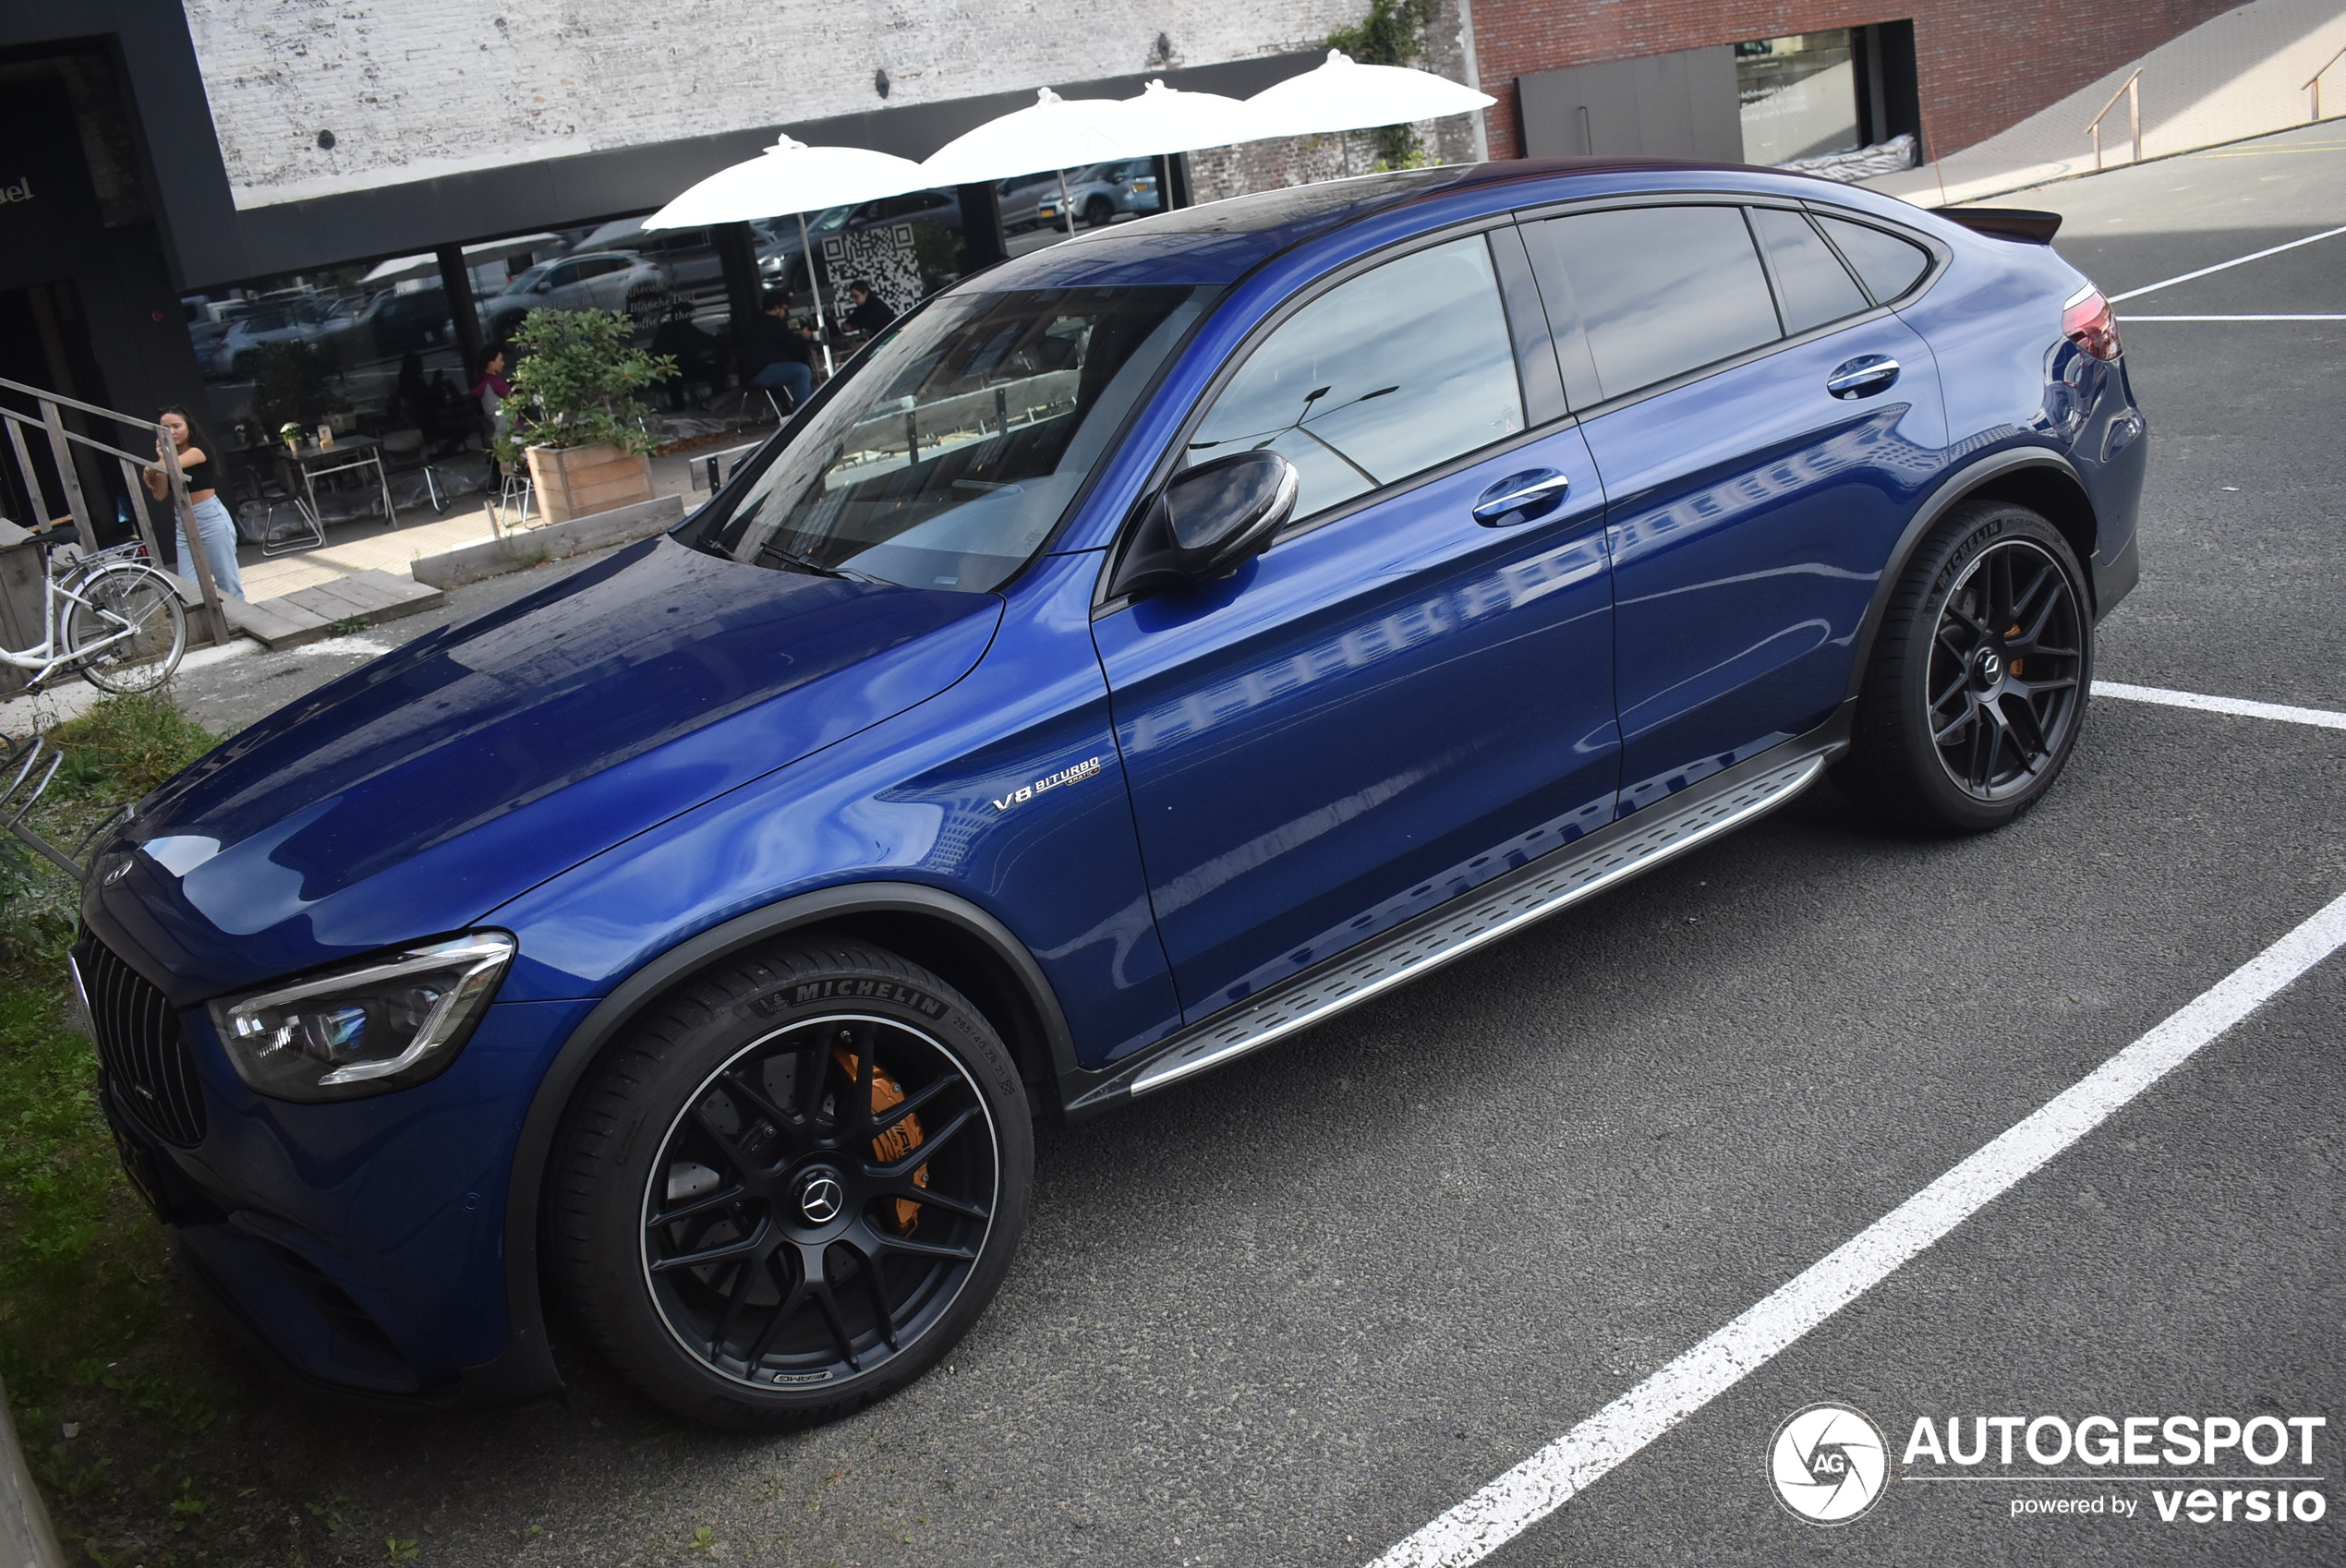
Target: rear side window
{"x":1400,"y":368}
{"x":1661,"y":290}
{"x":1889,"y":265}
{"x":1812,"y":287}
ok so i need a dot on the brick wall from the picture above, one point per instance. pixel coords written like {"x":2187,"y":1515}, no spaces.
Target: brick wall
{"x":1983,"y":64}
{"x":414,"y":89}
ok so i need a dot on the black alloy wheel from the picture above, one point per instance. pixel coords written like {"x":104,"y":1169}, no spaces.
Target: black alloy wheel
{"x":1980,"y":674}
{"x":2004,"y":670}
{"x":796,"y":1189}
{"x":819,"y":1201}
{"x":1098,"y":211}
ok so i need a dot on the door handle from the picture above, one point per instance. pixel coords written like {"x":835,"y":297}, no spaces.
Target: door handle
{"x":1521,"y":498}
{"x":1863,"y":377}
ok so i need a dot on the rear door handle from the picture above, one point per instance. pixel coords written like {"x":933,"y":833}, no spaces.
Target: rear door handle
{"x":1863,"y":377}
{"x":1521,"y":498}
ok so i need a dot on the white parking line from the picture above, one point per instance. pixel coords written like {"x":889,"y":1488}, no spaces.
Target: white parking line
{"x":2236,"y":261}
{"x":2320,"y":717}
{"x":1515,"y":1501}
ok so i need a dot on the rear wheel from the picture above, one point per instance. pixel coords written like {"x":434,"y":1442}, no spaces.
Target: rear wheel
{"x":794,"y":1187}
{"x":1099,"y":209}
{"x":136,"y":613}
{"x":1979,"y":676}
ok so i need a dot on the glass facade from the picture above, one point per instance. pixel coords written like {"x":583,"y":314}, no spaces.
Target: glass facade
{"x":1797,"y":96}
{"x":372,"y":347}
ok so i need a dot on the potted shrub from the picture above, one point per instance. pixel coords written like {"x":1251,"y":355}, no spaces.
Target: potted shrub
{"x":577,"y":423}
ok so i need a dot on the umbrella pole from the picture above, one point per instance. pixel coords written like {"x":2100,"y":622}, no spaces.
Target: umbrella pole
{"x":1067,"y":211}
{"x":815,"y":287}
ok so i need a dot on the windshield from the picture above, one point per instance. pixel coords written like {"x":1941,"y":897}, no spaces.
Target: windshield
{"x":965,"y":432}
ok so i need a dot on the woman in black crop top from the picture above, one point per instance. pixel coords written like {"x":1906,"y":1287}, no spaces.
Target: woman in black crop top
{"x":217,"y":529}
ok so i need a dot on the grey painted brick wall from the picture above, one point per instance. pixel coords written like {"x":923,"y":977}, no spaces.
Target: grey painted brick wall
{"x":414,"y":89}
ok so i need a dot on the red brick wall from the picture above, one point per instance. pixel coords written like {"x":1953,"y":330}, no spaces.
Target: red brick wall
{"x":1983,"y":65}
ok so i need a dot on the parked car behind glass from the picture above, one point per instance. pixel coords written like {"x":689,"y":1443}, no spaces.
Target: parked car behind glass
{"x":1147,"y":650}
{"x":614,"y":279}
{"x":1104,"y":190}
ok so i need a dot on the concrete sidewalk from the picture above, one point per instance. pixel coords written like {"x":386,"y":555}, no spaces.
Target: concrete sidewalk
{"x":2241,"y":75}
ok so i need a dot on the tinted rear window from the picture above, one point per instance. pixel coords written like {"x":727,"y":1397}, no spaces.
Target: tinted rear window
{"x":1889,"y":265}
{"x":1661,"y":290}
{"x":1812,"y":286}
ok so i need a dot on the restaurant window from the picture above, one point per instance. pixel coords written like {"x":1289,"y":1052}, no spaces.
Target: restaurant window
{"x":1797,"y":96}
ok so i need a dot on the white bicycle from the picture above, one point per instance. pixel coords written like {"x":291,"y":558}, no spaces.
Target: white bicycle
{"x":107,"y":616}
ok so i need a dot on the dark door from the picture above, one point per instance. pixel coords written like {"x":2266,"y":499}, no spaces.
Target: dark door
{"x":1752,"y":504}
{"x":1398,"y":701}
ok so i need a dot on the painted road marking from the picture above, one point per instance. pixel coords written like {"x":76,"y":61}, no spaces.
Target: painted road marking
{"x":1519,"y":1499}
{"x":2130,"y":317}
{"x":2236,"y":261}
{"x":2320,"y":717}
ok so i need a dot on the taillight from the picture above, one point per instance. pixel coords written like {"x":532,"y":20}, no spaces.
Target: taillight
{"x":2087,"y":321}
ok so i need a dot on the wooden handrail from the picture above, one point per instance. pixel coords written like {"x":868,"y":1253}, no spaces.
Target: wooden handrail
{"x":61,"y":444}
{"x":2132,"y":94}
{"x":2313,"y":82}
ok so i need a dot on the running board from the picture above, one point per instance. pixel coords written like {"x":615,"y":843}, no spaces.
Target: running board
{"x":1651,"y":837}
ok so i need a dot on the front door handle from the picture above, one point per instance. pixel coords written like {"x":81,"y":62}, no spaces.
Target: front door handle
{"x":1521,"y":498}
{"x":1863,"y":377}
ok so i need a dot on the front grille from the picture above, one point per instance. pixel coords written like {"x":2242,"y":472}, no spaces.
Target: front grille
{"x":140,"y":1042}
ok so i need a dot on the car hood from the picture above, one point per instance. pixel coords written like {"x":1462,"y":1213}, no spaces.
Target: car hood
{"x":412,"y":795}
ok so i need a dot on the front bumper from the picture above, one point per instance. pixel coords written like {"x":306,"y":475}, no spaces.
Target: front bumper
{"x":360,"y":1245}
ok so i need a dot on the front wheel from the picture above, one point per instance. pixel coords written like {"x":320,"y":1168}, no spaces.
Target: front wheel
{"x":794,"y":1187}
{"x":1979,"y":676}
{"x":136,"y":615}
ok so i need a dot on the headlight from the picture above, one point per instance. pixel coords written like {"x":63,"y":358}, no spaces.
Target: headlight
{"x":373,"y":1027}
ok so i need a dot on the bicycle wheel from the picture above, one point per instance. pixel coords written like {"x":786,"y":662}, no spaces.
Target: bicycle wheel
{"x":140,"y":609}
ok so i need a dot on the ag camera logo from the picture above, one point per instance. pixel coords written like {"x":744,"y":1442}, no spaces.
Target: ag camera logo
{"x":1828,"y":1464}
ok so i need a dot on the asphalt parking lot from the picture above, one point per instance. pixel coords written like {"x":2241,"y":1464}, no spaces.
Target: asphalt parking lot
{"x":1293,"y":1311}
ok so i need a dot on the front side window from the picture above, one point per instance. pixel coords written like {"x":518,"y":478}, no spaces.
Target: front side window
{"x":1661,"y":290}
{"x":1384,"y":375}
{"x":960,"y":438}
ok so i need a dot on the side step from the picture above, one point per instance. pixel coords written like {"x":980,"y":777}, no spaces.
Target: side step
{"x":1539,"y":889}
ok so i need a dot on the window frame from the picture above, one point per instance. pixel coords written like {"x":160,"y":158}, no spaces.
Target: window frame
{"x":1579,"y":334}
{"x":1512,"y":313}
{"x":1931,"y":272}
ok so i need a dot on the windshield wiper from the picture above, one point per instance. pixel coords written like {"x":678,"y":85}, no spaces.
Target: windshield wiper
{"x":810,"y":565}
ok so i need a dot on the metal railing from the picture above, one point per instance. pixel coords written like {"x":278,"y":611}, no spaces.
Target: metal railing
{"x":2131,"y":92}
{"x":2314,"y":83}
{"x":62,"y":441}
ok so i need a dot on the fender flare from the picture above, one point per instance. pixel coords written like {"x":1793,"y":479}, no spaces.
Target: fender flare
{"x":1953,"y":490}
{"x":525,"y":1365}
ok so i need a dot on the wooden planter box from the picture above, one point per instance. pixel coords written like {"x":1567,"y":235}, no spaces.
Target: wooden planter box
{"x":578,"y":481}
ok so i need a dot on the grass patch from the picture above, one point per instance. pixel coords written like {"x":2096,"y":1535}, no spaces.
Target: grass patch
{"x":84,"y":1280}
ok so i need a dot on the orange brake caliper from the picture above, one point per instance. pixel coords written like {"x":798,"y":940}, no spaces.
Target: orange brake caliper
{"x":897,"y":1141}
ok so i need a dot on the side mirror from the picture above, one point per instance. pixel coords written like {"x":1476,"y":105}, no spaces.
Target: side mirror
{"x":1207,"y":521}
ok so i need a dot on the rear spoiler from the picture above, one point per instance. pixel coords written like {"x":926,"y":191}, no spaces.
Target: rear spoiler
{"x":2006,"y":222}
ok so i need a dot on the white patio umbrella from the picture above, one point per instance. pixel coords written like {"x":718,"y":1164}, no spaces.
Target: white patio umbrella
{"x":790,"y":176}
{"x":1341,"y":95}
{"x":1050,"y":133}
{"x":1164,"y":120}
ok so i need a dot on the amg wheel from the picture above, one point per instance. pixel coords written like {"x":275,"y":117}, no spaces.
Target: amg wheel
{"x":1979,"y":675}
{"x":794,"y":1187}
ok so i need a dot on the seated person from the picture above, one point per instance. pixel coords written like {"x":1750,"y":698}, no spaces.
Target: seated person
{"x":699,"y":359}
{"x":777,"y":356}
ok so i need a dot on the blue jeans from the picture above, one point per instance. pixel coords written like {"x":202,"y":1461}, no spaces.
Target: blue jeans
{"x":789,"y":375}
{"x":219,"y":533}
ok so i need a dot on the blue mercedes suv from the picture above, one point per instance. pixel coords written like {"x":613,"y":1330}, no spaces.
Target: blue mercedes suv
{"x":1141,"y":652}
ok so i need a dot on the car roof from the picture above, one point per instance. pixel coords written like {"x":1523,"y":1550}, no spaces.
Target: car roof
{"x":1221,"y":241}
